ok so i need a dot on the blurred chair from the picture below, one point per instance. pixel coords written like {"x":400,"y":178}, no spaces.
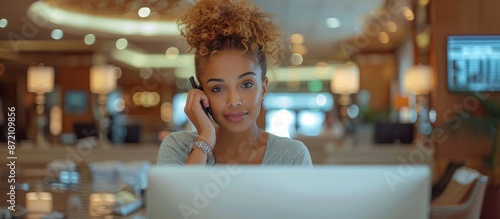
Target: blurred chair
{"x":390,"y":133}
{"x":462,"y":197}
{"x":440,"y":185}
{"x":83,"y":130}
{"x":125,"y":133}
{"x":133,"y":134}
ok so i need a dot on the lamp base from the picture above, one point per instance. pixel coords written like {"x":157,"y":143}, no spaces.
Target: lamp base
{"x":40,"y":140}
{"x":103,"y":122}
{"x":103,"y":142}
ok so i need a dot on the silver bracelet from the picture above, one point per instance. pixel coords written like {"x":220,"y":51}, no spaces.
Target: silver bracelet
{"x":204,"y":146}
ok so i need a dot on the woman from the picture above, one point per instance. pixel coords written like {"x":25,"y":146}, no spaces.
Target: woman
{"x":232,"y":40}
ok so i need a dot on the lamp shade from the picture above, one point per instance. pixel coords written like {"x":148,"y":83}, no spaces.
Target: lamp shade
{"x":102,"y":79}
{"x":418,"y":79}
{"x":345,"y":79}
{"x":40,"y":79}
{"x":39,"y":202}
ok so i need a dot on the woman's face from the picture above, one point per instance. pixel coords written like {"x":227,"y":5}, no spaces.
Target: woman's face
{"x":234,"y":86}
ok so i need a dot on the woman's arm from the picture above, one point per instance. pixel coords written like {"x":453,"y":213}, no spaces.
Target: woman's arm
{"x":200,"y":150}
{"x":175,"y":149}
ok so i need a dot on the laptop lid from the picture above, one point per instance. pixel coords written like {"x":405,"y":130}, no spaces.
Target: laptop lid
{"x":351,"y":191}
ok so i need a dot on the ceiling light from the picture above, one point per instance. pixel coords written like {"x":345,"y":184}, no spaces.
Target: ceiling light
{"x":333,"y":22}
{"x":391,"y":26}
{"x":166,"y":112}
{"x":184,"y":66}
{"x":423,"y":40}
{"x":137,"y":98}
{"x":146,"y":98}
{"x":121,"y":43}
{"x":300,"y":49}
{"x":118,"y":72}
{"x":3,"y":23}
{"x":296,"y":38}
{"x":89,"y":39}
{"x":315,"y":86}
{"x":296,"y":59}
{"x":146,"y":73}
{"x":408,"y":13}
{"x":321,"y":68}
{"x":183,"y":63}
{"x":103,"y":24}
{"x":383,"y":37}
{"x":153,"y":99}
{"x":321,"y":98}
{"x":144,"y":12}
{"x":172,"y":53}
{"x":423,"y":2}
{"x":119,"y":104}
{"x":57,"y":34}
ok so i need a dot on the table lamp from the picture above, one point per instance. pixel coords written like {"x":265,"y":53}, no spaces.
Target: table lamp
{"x":345,"y":79}
{"x":418,"y":81}
{"x":38,"y":204}
{"x":345,"y":82}
{"x":40,"y":81}
{"x":102,"y":82}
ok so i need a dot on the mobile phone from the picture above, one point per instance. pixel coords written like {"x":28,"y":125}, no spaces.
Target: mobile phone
{"x":207,"y":110}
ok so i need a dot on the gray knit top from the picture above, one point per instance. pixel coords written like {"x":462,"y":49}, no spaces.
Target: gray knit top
{"x":174,"y":150}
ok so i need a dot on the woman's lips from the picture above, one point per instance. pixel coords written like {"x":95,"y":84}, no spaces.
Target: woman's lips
{"x":236,"y":116}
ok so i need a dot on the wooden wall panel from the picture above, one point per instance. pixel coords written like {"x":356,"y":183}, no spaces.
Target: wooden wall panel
{"x":457,"y":17}
{"x":75,"y":78}
{"x":376,"y":73}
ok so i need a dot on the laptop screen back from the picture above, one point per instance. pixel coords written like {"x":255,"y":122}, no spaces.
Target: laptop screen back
{"x":223,"y":192}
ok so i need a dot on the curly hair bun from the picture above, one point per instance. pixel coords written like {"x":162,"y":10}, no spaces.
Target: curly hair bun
{"x":213,"y":25}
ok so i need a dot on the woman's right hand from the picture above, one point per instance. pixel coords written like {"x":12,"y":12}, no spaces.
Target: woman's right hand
{"x":203,"y":124}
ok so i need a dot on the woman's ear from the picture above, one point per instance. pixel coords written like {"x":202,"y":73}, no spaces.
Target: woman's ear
{"x":264,"y":87}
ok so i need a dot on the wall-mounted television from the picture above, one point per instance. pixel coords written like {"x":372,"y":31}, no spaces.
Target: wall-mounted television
{"x":473,"y":62}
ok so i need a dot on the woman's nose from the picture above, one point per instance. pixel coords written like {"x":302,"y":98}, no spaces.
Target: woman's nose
{"x":234,"y":100}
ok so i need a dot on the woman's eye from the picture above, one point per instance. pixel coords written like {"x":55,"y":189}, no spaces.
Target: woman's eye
{"x":217,"y":89}
{"x":247,"y":85}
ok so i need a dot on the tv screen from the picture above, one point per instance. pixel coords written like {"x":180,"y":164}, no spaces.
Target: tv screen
{"x":473,"y":63}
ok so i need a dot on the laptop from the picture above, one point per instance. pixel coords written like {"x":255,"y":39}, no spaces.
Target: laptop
{"x":337,"y":191}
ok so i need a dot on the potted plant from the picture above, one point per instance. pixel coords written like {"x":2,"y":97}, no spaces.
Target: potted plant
{"x":483,"y":127}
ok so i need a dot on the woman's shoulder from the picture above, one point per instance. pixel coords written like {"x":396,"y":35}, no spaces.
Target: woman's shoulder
{"x":179,"y":138}
{"x":286,"y":151}
{"x":182,"y":135}
{"x":278,"y":142}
